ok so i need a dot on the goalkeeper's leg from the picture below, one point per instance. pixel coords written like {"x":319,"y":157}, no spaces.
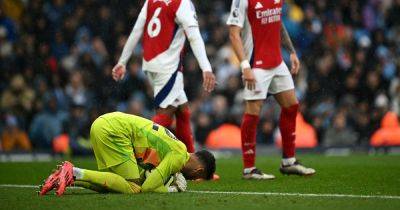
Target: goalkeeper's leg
{"x":107,"y":180}
{"x":122,"y":178}
{"x":91,"y":186}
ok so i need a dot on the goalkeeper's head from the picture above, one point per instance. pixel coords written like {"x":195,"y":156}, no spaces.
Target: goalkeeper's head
{"x":201,"y":166}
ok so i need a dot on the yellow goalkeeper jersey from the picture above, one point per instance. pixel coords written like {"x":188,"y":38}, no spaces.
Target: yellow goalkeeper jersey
{"x":120,"y":136}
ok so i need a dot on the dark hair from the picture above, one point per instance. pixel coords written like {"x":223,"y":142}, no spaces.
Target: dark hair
{"x":208,"y":162}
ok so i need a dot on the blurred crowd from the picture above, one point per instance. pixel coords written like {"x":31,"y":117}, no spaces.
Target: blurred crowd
{"x":56,"y":58}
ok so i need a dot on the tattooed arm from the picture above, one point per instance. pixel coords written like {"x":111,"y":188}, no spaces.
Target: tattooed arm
{"x":287,"y":43}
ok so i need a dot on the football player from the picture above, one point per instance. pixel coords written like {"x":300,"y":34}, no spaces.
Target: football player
{"x":127,"y":146}
{"x":257,"y":34}
{"x":164,"y":26}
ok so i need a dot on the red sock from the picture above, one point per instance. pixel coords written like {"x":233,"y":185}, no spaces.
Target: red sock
{"x":249,"y":131}
{"x":287,"y":125}
{"x":163,"y":120}
{"x":183,"y":130}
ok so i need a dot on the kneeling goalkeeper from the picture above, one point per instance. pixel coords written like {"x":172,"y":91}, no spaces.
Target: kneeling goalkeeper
{"x":133,"y":155}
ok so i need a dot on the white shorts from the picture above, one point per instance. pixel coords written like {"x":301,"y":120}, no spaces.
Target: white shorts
{"x":271,"y":81}
{"x":168,"y":89}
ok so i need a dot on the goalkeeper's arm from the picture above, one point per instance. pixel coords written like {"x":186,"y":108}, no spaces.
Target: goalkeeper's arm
{"x":158,"y":179}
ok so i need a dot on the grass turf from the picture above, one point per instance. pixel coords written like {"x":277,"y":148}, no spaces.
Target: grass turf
{"x":358,"y":175}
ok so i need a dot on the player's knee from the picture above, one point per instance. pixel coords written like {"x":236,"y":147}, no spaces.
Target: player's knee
{"x":253,"y":107}
{"x":287,"y":99}
{"x":169,"y":111}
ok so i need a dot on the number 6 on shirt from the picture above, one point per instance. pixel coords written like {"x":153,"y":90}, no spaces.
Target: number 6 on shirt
{"x":154,"y":26}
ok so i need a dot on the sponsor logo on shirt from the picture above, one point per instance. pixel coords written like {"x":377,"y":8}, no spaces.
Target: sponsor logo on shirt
{"x":269,"y":15}
{"x":258,"y":5}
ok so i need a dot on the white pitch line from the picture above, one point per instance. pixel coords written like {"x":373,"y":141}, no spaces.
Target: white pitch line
{"x":299,"y":194}
{"x":253,"y":193}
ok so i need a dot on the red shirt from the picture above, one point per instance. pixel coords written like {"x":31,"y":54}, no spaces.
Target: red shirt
{"x":265,"y":17}
{"x":160,"y":27}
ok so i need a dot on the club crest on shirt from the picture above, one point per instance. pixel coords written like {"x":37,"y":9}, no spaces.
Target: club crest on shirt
{"x":167,"y":2}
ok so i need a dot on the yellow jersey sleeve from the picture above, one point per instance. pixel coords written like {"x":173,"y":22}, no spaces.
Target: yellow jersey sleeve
{"x":171,"y":164}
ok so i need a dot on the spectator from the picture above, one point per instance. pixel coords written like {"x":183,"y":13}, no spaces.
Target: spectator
{"x":18,"y":97}
{"x":76,"y":89}
{"x":47,"y":124}
{"x":340,"y":134}
{"x":349,"y":52}
{"x":13,"y":138}
{"x":203,"y":128}
{"x":8,"y":25}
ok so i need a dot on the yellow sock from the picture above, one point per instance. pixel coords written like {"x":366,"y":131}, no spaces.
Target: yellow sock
{"x":110,"y":181}
{"x":90,"y":186}
{"x":161,"y":189}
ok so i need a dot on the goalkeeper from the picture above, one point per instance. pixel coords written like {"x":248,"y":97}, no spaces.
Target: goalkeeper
{"x":133,"y":155}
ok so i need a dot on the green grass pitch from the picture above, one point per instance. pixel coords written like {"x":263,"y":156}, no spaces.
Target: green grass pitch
{"x":353,"y":175}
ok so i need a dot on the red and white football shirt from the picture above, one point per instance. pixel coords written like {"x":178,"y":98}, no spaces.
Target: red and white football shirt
{"x":261,"y":34}
{"x":163,"y":33}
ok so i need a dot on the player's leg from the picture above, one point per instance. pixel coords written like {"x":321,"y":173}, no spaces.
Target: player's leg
{"x":170,"y":100}
{"x":91,"y":186}
{"x":248,"y":133}
{"x":164,"y":116}
{"x":282,"y":86}
{"x":287,"y":123}
{"x":183,"y":127}
{"x":121,"y":178}
{"x":163,"y":87}
{"x":253,"y":104}
{"x":112,"y":155}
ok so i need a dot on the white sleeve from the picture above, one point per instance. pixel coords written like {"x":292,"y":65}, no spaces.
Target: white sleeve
{"x":198,"y":48}
{"x":135,"y":36}
{"x":186,"y":16}
{"x":238,"y":13}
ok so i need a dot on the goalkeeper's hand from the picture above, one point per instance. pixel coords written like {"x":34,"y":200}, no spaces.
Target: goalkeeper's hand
{"x":178,"y":183}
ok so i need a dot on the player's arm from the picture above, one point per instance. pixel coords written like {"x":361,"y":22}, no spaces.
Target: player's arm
{"x":236,"y":22}
{"x":155,"y":181}
{"x":119,"y":70}
{"x":288,"y":45}
{"x":186,"y":15}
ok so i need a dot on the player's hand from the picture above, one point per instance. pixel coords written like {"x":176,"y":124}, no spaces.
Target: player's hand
{"x":173,"y":189}
{"x":208,"y":81}
{"x":118,"y":72}
{"x":180,"y":182}
{"x":249,"y":79}
{"x":295,"y":63}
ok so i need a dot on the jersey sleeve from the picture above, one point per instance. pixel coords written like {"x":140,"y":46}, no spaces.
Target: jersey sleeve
{"x":171,"y":164}
{"x":186,"y":15}
{"x":238,"y":13}
{"x":135,"y":36}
